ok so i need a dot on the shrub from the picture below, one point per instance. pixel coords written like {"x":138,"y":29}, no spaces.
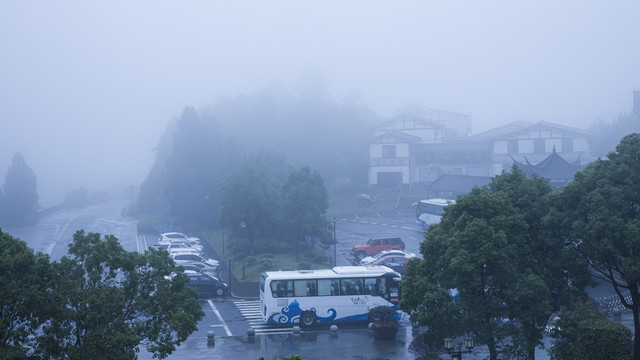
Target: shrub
{"x":587,"y":334}
{"x":304,"y":266}
{"x":250,"y":260}
{"x":267,"y":260}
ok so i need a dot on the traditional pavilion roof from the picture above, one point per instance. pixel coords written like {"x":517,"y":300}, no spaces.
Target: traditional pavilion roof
{"x":555,"y":168}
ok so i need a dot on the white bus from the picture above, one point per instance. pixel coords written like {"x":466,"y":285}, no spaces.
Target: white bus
{"x":344,"y":293}
{"x":430,"y":211}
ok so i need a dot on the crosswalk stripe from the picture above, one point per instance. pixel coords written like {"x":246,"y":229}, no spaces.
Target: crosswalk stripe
{"x":250,"y":310}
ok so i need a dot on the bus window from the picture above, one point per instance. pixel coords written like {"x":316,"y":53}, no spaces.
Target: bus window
{"x":305,"y":288}
{"x":312,"y":289}
{"x":325,"y":288}
{"x":282,"y":288}
{"x":351,"y":286}
{"x":381,"y":287}
{"x":335,"y":287}
{"x":370,"y":287}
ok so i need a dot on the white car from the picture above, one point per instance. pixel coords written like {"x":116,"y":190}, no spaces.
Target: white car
{"x":375,"y":259}
{"x":194,"y":257}
{"x":182,"y":245}
{"x":172,"y":236}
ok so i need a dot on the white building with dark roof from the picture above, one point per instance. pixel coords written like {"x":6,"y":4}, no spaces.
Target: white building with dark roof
{"x":414,"y":151}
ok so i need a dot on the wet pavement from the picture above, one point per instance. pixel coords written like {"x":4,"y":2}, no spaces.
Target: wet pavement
{"x":352,"y":341}
{"x":357,"y":343}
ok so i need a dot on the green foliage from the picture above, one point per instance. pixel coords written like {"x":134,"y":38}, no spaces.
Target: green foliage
{"x":23,"y":283}
{"x":289,"y":357}
{"x":587,"y":335}
{"x":304,"y":202}
{"x":20,"y":194}
{"x":105,"y":302}
{"x":599,"y":215}
{"x":383,"y":317}
{"x":266,"y":260}
{"x":492,"y":247}
{"x":259,"y":205}
{"x":250,"y":195}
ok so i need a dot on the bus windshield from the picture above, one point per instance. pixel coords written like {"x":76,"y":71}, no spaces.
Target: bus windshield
{"x":344,"y":293}
{"x":430,"y":211}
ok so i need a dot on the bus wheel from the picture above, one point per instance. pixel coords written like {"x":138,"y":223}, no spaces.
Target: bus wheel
{"x":307,"y":318}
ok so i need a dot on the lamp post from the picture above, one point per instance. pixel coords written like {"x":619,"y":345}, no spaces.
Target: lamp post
{"x":335,"y":260}
{"x":457,"y":355}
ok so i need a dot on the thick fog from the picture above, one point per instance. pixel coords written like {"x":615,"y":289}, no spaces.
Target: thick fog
{"x":87,"y":89}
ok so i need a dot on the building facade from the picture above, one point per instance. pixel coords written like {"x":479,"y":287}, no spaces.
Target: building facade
{"x":414,"y":151}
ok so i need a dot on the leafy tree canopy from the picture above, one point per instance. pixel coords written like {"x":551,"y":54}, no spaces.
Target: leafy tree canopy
{"x":303,"y":205}
{"x":23,"y":283}
{"x":251,"y":193}
{"x":490,"y":248}
{"x":599,"y":215}
{"x":586,"y":334}
{"x":100,"y":302}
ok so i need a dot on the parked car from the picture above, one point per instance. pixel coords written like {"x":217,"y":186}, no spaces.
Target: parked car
{"x":183,"y":245}
{"x":381,"y":256}
{"x":376,"y":245}
{"x":194,"y":257}
{"x":206,"y":284}
{"x":198,"y":266}
{"x":176,"y":236}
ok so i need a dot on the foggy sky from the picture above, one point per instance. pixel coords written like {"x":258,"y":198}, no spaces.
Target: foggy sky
{"x":87,"y":89}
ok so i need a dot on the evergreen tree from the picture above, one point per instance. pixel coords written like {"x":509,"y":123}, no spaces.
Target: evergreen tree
{"x":21,"y":195}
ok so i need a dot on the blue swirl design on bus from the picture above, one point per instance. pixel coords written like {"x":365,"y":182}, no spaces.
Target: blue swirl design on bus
{"x":287,"y":314}
{"x":291,"y":314}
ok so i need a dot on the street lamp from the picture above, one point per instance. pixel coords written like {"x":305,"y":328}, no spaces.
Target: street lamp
{"x":335,"y":260}
{"x":457,"y":355}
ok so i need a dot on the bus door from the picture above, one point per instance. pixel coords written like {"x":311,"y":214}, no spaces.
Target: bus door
{"x":392,"y":291}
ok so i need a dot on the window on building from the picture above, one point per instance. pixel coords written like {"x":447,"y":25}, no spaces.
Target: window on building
{"x":525,"y":146}
{"x":500,"y":147}
{"x":388,"y":151}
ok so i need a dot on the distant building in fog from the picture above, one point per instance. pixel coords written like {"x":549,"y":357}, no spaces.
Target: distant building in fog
{"x":412,"y":152}
{"x":636,"y":101}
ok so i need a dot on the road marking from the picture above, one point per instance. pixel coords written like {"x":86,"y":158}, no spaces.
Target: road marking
{"x":414,"y":229}
{"x":250,"y":310}
{"x":215,"y":311}
{"x":49,"y":248}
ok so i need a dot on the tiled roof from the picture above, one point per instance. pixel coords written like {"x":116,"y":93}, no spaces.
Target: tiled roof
{"x":554,"y":167}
